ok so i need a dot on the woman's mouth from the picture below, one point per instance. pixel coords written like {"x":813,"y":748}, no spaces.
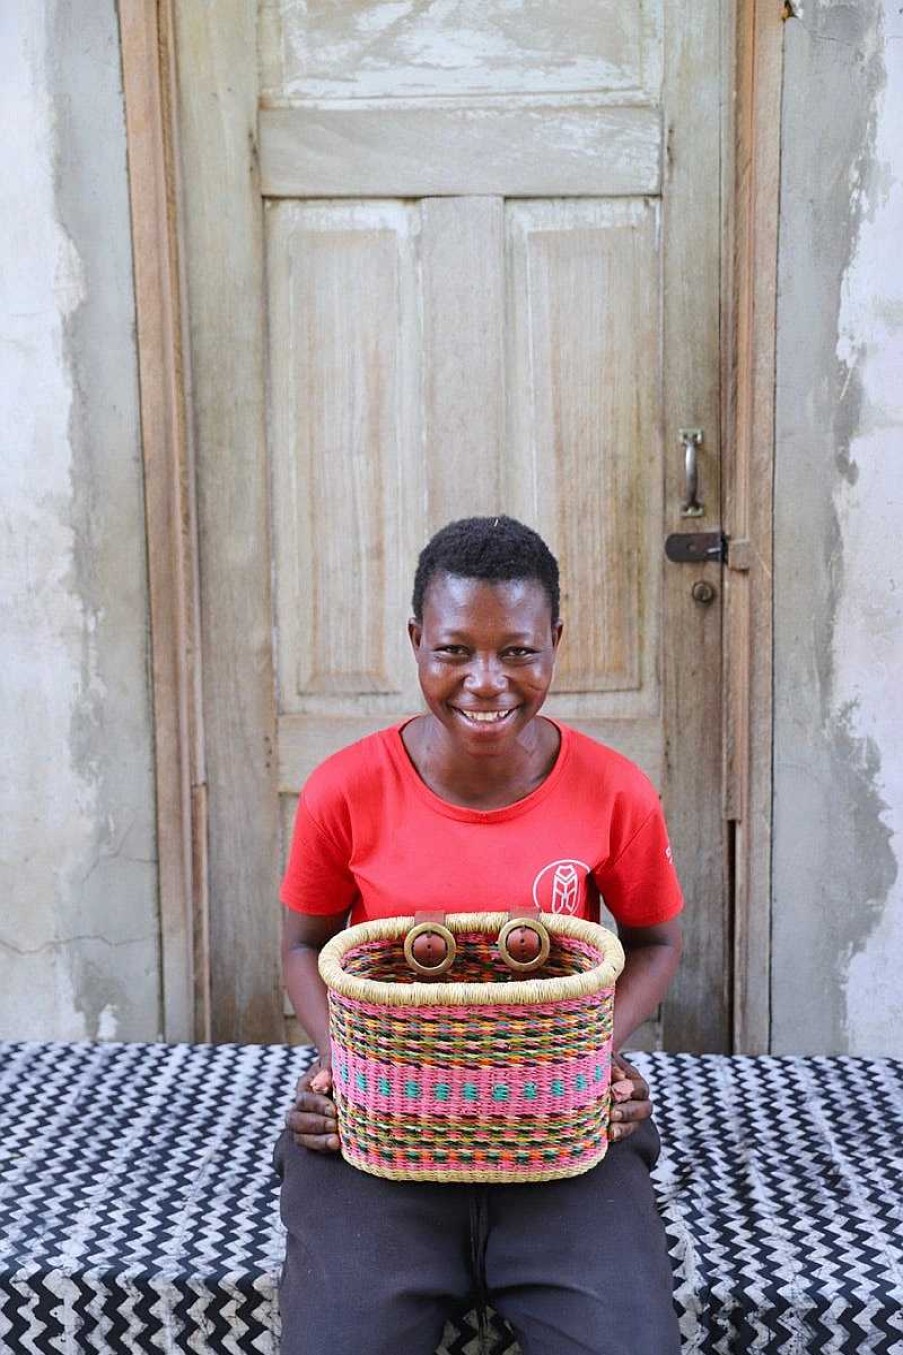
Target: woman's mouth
{"x":484,"y":718}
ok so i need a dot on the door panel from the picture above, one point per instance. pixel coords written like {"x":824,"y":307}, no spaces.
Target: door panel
{"x":575,"y":149}
{"x":385,"y":50}
{"x":345,"y":447}
{"x":583,"y":458}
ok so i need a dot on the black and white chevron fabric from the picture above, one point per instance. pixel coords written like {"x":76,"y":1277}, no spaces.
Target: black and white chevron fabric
{"x":138,"y":1210}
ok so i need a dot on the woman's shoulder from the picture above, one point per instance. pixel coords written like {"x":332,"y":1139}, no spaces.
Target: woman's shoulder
{"x":355,"y":771}
{"x":596,"y":762}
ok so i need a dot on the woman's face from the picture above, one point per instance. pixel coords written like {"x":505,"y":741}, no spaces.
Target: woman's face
{"x":485,"y":655}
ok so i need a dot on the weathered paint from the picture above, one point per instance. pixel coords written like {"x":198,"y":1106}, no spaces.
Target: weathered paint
{"x":396,"y":49}
{"x":78,"y":929}
{"x":868,"y":633}
{"x":837,"y":927}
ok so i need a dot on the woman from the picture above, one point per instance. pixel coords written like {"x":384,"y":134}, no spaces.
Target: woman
{"x":484,"y":804}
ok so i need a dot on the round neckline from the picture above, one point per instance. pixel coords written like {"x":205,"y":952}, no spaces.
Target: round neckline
{"x":463,"y":813}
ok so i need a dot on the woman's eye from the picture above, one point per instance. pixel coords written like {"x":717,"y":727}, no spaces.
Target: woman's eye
{"x":453,"y":651}
{"x":520,"y":653}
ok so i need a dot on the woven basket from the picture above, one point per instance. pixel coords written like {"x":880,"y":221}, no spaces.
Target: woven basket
{"x":480,"y":1075}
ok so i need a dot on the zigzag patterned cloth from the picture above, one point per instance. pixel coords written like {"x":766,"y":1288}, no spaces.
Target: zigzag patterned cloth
{"x":138,"y":1210}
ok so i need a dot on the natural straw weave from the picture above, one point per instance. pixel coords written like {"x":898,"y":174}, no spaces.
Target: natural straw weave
{"x":477,"y":1075}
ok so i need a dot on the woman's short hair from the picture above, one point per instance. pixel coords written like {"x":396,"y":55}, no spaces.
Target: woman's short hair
{"x":495,"y":549}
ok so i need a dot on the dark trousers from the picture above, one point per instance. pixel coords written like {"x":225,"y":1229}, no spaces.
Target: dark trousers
{"x":374,"y":1267}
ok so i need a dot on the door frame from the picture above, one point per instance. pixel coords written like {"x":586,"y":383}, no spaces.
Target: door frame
{"x":215,"y":725}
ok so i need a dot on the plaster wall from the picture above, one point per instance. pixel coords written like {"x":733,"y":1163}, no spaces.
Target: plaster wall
{"x":79,"y":954}
{"x":838,"y":758}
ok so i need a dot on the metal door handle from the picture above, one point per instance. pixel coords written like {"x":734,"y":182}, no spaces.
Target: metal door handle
{"x":691,"y":439}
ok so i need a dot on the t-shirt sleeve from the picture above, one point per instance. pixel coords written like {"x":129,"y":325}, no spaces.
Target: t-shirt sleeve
{"x":318,"y":877}
{"x":639,"y":883}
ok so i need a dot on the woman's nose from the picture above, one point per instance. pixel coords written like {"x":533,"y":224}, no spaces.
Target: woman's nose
{"x":485,"y":676}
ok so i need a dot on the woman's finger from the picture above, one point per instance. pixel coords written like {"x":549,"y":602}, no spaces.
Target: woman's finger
{"x":302,"y":1122}
{"x":624,"y":1072}
{"x":318,"y":1077}
{"x":631,"y":1112}
{"x":317,"y":1132}
{"x":318,"y":1143}
{"x":321,"y":1081}
{"x":618,"y":1132}
{"x":313,"y":1104}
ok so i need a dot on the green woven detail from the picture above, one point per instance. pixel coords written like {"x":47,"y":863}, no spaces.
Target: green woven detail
{"x":580,"y":1082}
{"x":360,"y":1080}
{"x":598,"y":1073}
{"x":385,"y":1086}
{"x":412,"y":1089}
{"x":442,"y":1091}
{"x":531,"y":1091}
{"x":558,"y":1087}
{"x":469,"y":1091}
{"x":500,"y":1092}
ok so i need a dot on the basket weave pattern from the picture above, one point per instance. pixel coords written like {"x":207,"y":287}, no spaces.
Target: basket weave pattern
{"x":479,"y":1076}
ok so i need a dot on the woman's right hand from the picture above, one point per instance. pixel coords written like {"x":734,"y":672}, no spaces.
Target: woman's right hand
{"x":312,"y":1119}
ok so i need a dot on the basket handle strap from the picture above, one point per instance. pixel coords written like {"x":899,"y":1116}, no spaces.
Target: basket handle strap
{"x":430,"y":947}
{"x":524,"y":941}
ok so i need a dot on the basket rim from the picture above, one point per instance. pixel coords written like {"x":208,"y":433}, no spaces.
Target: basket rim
{"x":519,"y":992}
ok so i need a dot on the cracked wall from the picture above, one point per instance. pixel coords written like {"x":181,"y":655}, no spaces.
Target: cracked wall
{"x":79,"y":925}
{"x":838,"y":761}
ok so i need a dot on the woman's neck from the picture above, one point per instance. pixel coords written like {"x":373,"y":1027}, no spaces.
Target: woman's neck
{"x":484,"y":782}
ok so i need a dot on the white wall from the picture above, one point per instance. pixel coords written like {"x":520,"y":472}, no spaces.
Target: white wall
{"x":78,"y":922}
{"x":838,"y":888}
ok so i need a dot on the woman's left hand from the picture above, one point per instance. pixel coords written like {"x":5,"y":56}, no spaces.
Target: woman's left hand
{"x":630,"y":1103}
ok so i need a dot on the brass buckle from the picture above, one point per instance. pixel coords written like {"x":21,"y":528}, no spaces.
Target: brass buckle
{"x":531,"y":924}
{"x":451,"y":948}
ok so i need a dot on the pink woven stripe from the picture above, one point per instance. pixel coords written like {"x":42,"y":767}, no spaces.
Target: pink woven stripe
{"x":412,"y":1089}
{"x":500,"y":1010}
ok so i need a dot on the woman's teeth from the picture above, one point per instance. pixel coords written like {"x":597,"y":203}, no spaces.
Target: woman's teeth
{"x":485,"y":717}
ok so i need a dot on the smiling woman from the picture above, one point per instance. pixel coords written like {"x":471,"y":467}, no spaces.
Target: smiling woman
{"x":485,"y":656}
{"x":480,"y":804}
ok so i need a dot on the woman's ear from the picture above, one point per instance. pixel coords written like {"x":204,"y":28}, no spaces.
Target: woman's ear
{"x":557,"y":629}
{"x":415,"y":633}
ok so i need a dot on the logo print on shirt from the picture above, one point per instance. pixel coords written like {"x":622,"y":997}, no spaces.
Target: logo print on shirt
{"x":558,"y":886}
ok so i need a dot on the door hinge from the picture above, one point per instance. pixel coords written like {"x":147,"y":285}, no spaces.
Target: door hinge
{"x":699,"y":548}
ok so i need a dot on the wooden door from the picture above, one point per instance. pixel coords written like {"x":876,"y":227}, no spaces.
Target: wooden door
{"x":446,"y":260}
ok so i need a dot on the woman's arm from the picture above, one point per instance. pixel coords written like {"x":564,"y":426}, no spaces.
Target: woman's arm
{"x":303,"y":937}
{"x":652,"y":956}
{"x":312,"y":1119}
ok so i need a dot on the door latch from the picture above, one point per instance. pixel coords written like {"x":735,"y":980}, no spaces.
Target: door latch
{"x":696,"y":548}
{"x":700,"y":548}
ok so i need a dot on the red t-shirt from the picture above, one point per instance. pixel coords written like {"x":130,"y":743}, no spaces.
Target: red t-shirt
{"x":372,"y":838}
